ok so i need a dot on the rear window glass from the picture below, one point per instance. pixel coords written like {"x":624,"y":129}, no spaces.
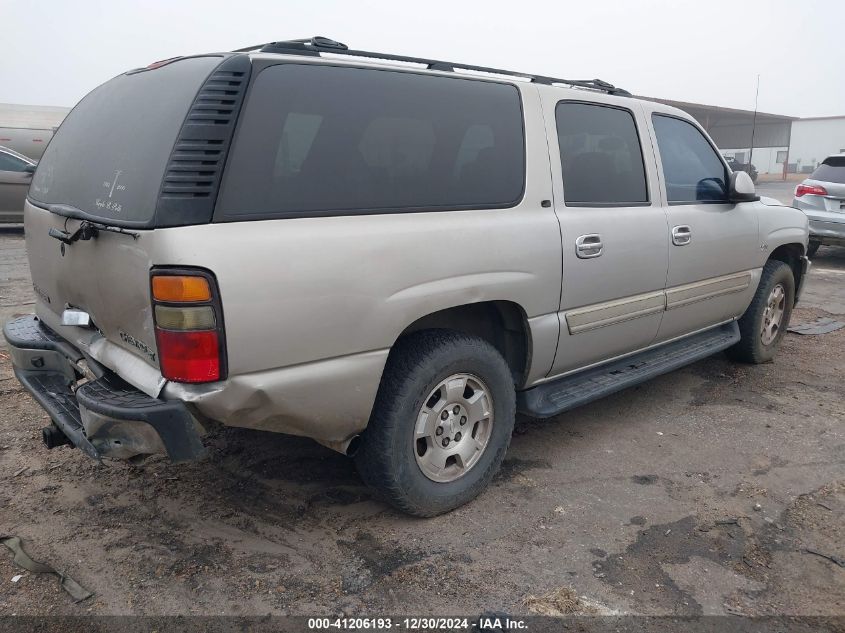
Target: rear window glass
{"x":109,"y":155}
{"x":325,"y":139}
{"x":600,"y":155}
{"x":831,"y":170}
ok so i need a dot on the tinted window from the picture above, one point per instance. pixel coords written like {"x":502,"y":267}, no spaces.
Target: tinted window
{"x":324,"y":139}
{"x":691,"y":167}
{"x":11,"y":163}
{"x":600,"y":155}
{"x":831,"y":170}
{"x":109,"y":155}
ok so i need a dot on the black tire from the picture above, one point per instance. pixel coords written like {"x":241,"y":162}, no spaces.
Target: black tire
{"x":385,"y":457}
{"x":750,"y":348}
{"x":812,"y":247}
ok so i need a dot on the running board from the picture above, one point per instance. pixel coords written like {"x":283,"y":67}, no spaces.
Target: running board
{"x":572,"y":391}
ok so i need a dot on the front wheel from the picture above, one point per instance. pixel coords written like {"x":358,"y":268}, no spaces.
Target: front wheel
{"x":441,"y":423}
{"x":765,"y":321}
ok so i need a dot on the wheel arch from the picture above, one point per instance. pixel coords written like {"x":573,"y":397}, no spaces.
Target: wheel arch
{"x":504,"y":324}
{"x":791,"y":254}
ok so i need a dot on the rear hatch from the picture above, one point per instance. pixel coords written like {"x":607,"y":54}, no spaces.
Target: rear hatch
{"x":141,"y":153}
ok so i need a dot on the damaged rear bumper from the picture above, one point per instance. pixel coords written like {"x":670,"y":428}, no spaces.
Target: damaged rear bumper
{"x":103,"y":416}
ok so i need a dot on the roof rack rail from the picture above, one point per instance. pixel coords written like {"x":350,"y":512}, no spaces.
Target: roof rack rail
{"x":315,"y":45}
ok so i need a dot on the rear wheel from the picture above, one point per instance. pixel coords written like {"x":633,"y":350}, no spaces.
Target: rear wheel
{"x":441,"y":423}
{"x":765,"y":321}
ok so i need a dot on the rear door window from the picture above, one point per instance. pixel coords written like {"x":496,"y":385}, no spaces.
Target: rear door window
{"x":832,"y":169}
{"x":692,"y":168}
{"x":323,"y":140}
{"x":109,"y":155}
{"x":600,"y":155}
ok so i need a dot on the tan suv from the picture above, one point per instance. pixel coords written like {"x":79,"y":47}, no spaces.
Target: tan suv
{"x":389,"y":255}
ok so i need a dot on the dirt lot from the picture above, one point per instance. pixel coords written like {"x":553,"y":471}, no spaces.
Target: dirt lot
{"x":698,"y":492}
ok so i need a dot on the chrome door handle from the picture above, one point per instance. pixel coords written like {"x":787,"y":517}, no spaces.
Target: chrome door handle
{"x":681,"y":235}
{"x":589,"y":246}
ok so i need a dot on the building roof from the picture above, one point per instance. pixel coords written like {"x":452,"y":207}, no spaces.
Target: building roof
{"x":723,"y":112}
{"x":822,"y":118}
{"x":16,"y":115}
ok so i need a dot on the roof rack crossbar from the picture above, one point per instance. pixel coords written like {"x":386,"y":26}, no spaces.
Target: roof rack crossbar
{"x":316,"y":45}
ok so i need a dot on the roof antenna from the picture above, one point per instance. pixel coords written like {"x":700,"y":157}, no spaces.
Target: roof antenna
{"x":753,"y":126}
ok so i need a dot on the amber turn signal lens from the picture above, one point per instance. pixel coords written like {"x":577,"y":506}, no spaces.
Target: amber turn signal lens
{"x":180,"y":288}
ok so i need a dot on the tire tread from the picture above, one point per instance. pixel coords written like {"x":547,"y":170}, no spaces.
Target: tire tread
{"x":404,"y":370}
{"x":750,"y":348}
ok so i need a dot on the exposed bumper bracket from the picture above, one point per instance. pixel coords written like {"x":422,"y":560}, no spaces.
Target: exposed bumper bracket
{"x":103,"y":417}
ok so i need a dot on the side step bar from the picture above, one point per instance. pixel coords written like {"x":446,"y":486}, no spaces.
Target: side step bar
{"x":566,"y":393}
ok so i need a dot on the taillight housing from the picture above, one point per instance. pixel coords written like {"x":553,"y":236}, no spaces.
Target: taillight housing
{"x":813,"y":190}
{"x":189,"y":328}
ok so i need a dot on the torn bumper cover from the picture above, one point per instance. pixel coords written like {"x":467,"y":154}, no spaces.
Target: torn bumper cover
{"x":105,"y":416}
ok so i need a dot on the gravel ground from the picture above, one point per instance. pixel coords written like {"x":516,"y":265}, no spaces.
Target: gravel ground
{"x":698,"y":492}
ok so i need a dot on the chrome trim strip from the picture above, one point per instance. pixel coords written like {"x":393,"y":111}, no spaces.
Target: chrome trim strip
{"x":613,"y":312}
{"x":680,"y":296}
{"x":600,"y":315}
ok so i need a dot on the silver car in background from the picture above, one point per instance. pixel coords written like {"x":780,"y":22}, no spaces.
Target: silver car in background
{"x":822,"y":198}
{"x":15,"y":175}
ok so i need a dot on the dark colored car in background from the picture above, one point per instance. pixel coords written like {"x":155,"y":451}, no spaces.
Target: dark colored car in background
{"x":748,"y":168}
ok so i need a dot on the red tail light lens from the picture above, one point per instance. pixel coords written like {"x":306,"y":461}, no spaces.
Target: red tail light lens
{"x":189,"y":325}
{"x":813,"y":190}
{"x":189,"y":356}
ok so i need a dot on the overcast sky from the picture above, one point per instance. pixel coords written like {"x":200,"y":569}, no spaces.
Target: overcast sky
{"x":52,"y":52}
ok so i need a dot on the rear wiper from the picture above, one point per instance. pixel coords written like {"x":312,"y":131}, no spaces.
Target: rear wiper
{"x":86,"y":231}
{"x":87,"y":228}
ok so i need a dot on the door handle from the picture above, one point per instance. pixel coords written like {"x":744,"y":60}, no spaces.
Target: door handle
{"x":681,"y":235}
{"x":589,"y":246}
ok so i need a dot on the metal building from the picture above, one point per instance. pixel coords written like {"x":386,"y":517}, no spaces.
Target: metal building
{"x":27,"y":129}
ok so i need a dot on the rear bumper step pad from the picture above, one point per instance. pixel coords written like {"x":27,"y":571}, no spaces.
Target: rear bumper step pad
{"x":108,"y":397}
{"x":566,"y":393}
{"x":52,"y":391}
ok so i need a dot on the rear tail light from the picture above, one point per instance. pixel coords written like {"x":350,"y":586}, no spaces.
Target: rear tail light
{"x":189,"y":356}
{"x":181,"y":288}
{"x":813,"y":190}
{"x":189,"y":325}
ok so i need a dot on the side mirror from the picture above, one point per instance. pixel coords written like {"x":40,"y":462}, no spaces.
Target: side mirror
{"x":30,"y":169}
{"x":741,"y":188}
